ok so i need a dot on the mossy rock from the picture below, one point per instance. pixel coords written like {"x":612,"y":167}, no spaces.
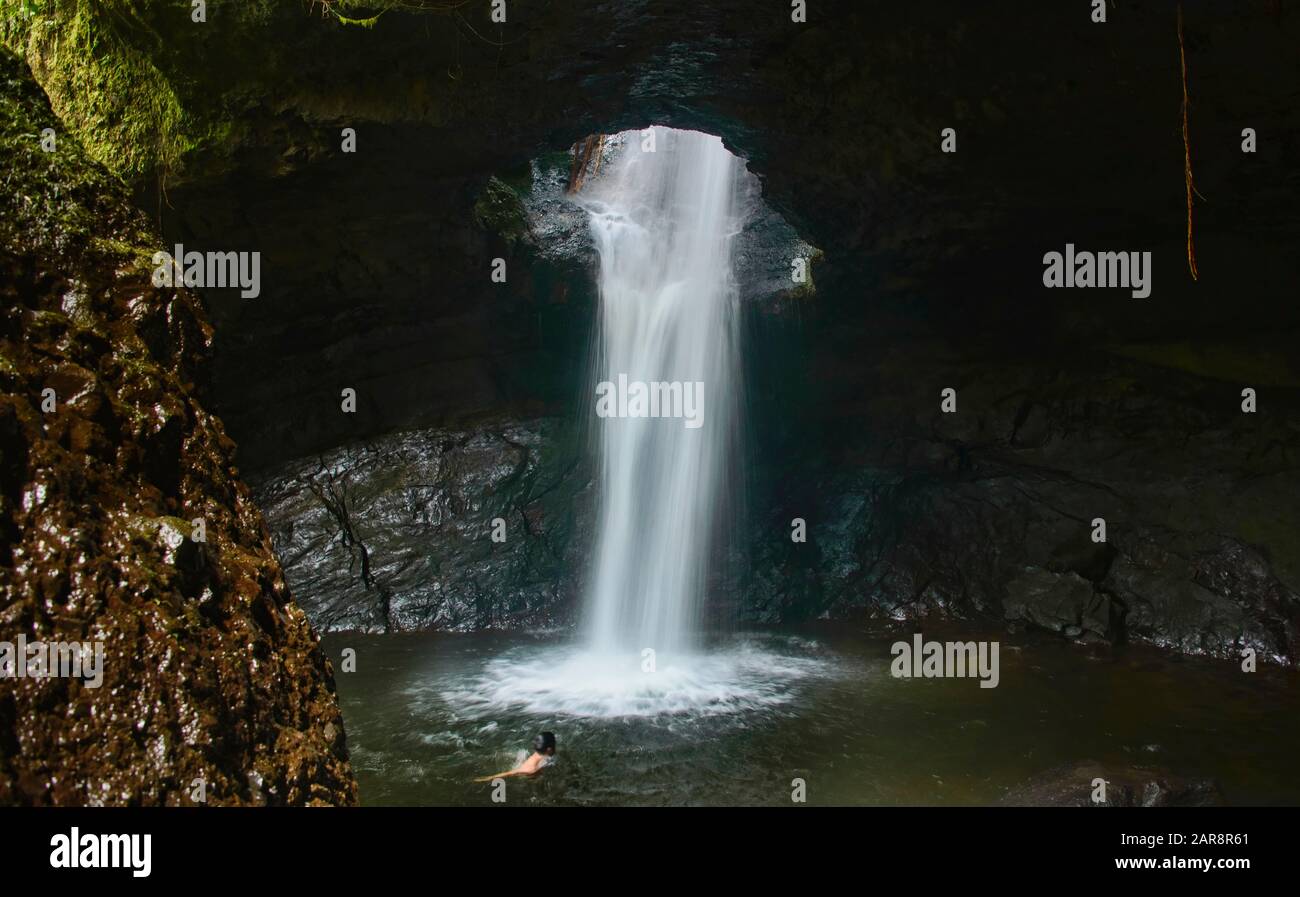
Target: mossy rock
{"x":98,"y":494}
{"x":499,"y":210}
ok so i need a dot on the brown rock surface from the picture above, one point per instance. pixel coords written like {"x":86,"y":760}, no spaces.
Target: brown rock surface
{"x":210,"y":669}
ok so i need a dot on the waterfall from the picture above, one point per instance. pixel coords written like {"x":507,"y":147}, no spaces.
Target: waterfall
{"x":663,"y":222}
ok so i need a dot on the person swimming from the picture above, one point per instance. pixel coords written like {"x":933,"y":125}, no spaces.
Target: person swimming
{"x":543,"y":751}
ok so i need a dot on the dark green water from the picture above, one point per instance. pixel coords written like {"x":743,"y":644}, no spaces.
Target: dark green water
{"x":426,"y":713}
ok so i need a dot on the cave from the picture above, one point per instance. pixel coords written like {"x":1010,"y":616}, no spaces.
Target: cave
{"x":998,"y":350}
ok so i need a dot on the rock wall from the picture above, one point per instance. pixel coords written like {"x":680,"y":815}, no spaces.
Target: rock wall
{"x":374,"y":256}
{"x":989,"y":511}
{"x":108,"y":455}
{"x":985,"y":515}
{"x":436,"y":529}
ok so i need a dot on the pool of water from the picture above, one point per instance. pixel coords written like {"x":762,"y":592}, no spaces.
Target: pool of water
{"x":428,"y":713}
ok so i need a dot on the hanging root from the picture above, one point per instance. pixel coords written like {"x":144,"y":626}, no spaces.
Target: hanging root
{"x":1187,"y":151}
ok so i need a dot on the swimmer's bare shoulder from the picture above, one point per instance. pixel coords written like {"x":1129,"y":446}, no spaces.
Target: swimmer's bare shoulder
{"x":544,"y":747}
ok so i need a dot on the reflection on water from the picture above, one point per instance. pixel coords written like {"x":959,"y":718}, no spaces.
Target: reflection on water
{"x":426,"y":713}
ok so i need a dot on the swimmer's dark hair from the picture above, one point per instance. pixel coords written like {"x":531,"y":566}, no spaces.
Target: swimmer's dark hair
{"x":544,"y":743}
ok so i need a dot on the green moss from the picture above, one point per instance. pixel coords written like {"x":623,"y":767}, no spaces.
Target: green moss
{"x":151,"y":93}
{"x":136,"y":80}
{"x":499,"y":210}
{"x":360,"y":23}
{"x":103,"y":86}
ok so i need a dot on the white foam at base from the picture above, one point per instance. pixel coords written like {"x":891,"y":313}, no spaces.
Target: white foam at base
{"x":573,"y":681}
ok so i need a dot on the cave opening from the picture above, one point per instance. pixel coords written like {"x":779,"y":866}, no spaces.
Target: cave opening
{"x":394,"y":444}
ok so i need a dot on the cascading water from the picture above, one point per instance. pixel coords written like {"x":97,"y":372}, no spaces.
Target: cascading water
{"x":663,"y":222}
{"x":666,"y":366}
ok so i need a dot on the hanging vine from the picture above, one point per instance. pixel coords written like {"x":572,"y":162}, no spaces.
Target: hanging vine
{"x":1187,"y":152}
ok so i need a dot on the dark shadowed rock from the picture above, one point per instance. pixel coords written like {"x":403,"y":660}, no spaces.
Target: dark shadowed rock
{"x":920,"y":512}
{"x":1063,"y":602}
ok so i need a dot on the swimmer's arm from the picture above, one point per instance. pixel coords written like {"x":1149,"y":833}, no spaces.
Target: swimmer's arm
{"x":504,"y":775}
{"x":529,"y":767}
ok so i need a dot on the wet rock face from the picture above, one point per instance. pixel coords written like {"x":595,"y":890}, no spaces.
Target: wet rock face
{"x":435,"y":529}
{"x":213,"y":681}
{"x":914,"y":512}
